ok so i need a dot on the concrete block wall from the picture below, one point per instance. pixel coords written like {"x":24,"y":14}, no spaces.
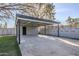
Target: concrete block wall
{"x":52,"y":31}
{"x":29,"y":30}
{"x":69,"y":32}
{"x":32,"y":31}
{"x":64,"y":32}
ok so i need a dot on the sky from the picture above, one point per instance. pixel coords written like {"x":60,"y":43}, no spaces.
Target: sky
{"x":63,"y":10}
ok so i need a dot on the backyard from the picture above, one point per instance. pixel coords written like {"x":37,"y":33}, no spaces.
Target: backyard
{"x":9,"y":46}
{"x":42,"y":29}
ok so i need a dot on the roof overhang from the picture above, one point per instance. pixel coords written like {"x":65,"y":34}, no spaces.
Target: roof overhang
{"x":34,"y":20}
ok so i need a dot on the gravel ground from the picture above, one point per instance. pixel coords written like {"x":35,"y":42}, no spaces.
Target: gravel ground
{"x":42,"y":45}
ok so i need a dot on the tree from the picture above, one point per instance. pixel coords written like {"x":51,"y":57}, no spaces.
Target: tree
{"x":5,"y":25}
{"x":40,"y":10}
{"x":33,"y":9}
{"x":76,"y":22}
{"x":69,"y":21}
{"x":0,"y":25}
{"x":73,"y":21}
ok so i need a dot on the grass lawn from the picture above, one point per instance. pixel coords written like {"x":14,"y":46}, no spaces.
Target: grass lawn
{"x":9,"y":46}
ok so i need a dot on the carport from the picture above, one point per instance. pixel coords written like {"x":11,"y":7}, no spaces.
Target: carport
{"x":28,"y":25}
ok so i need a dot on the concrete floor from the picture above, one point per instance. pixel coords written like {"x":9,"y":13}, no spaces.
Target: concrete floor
{"x":42,"y":45}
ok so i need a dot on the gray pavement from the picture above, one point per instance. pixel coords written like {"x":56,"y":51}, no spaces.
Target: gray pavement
{"x":42,"y":45}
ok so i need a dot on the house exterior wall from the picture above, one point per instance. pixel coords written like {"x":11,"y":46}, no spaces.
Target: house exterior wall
{"x":29,"y":30}
{"x":32,"y":31}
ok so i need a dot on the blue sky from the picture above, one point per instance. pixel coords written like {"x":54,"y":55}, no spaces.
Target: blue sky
{"x":63,"y":10}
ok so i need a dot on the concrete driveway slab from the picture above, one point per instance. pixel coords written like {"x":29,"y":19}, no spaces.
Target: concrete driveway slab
{"x":42,"y":45}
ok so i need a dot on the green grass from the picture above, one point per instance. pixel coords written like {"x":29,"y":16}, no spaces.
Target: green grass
{"x":9,"y":46}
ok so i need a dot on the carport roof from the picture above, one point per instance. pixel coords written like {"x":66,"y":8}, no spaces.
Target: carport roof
{"x":35,"y":18}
